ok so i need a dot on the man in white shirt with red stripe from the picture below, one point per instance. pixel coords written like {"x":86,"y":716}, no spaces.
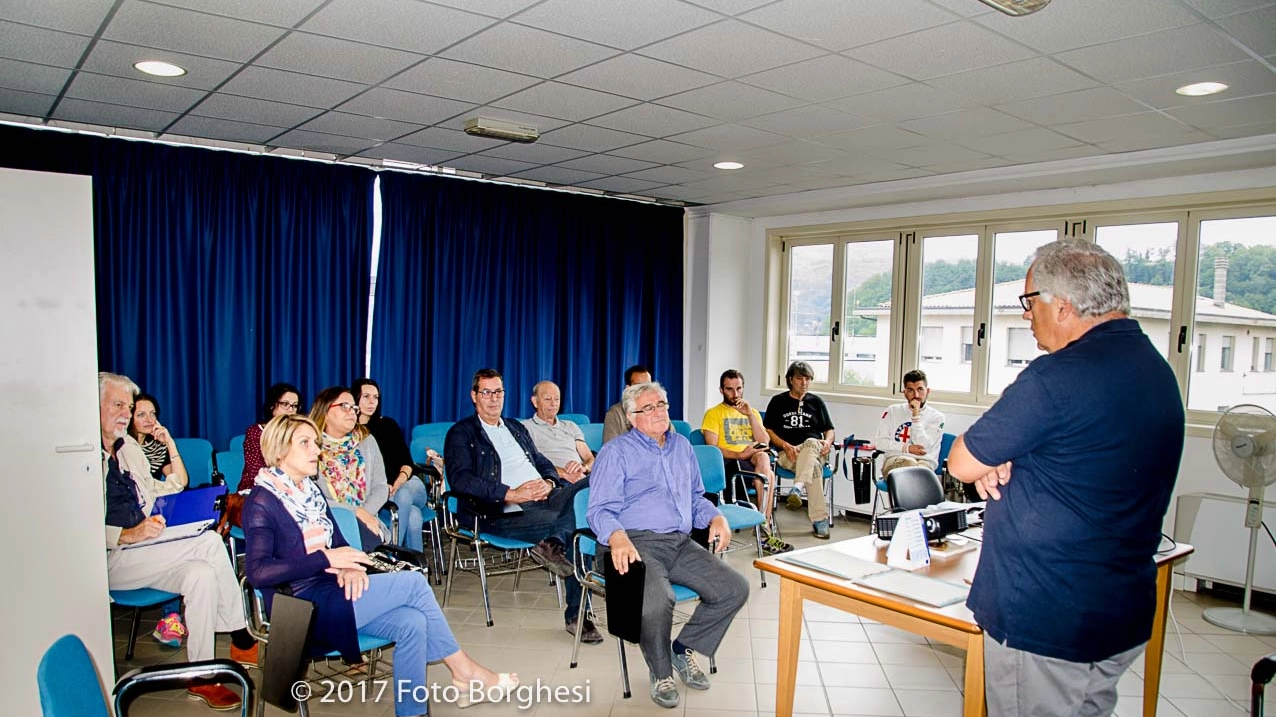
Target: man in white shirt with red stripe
{"x":910,"y":434}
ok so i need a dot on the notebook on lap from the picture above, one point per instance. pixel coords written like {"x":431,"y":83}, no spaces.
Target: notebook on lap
{"x":186,"y":514}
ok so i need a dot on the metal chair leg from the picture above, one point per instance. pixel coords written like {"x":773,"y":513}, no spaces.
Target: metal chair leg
{"x":132,"y":633}
{"x":757,"y":537}
{"x":487,"y":604}
{"x":624,"y":668}
{"x":580,"y":625}
{"x":518,"y":568}
{"x":713,"y":666}
{"x":447,"y":591}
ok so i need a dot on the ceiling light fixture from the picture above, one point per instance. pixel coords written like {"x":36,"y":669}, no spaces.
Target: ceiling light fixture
{"x":728,"y":165}
{"x":159,"y":69}
{"x":1200,"y":89}
{"x":497,"y":129}
{"x":1017,"y":7}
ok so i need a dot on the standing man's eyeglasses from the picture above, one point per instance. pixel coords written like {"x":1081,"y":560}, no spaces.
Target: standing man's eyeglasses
{"x":1024,"y":300}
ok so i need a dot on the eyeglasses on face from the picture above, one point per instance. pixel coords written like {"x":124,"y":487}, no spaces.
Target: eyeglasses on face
{"x":1024,"y":299}
{"x":655,"y":408}
{"x":290,"y":405}
{"x":491,"y":392}
{"x":347,"y":407}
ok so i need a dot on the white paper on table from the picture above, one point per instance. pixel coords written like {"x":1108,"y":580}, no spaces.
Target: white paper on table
{"x":908,"y":549}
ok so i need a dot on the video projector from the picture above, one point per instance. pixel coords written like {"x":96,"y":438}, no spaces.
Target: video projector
{"x":938,"y":522}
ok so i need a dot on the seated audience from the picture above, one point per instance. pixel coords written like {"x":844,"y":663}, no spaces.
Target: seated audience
{"x":293,"y":541}
{"x":560,"y":441}
{"x":197,"y":568}
{"x":615,"y":422}
{"x":736,"y":429}
{"x":350,"y":469}
{"x":646,"y":497}
{"x":410,"y":495}
{"x":799,"y":425}
{"x":281,"y":399}
{"x":494,"y":460}
{"x":910,"y":434}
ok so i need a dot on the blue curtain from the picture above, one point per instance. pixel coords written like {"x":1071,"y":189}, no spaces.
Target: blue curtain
{"x":219,"y":273}
{"x":537,"y":284}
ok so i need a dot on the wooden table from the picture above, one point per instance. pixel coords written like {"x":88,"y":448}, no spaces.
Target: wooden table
{"x":953,"y":625}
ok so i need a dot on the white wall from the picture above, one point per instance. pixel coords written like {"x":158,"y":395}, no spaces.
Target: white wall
{"x":51,"y":523}
{"x":741,"y":243}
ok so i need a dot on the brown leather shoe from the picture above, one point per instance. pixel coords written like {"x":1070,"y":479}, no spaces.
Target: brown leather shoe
{"x":550,"y":555}
{"x":247,"y":658}
{"x":215,"y":696}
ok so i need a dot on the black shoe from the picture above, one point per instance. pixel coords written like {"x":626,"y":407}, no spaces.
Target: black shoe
{"x":551,"y":557}
{"x":590,"y":636}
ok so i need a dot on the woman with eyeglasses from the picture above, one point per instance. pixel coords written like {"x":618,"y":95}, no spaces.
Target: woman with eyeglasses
{"x":293,"y":541}
{"x":282,"y":399}
{"x":350,"y":469}
{"x":157,"y":443}
{"x":410,"y":495}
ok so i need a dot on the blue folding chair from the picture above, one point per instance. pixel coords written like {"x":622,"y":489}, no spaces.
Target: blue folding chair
{"x":577,"y":418}
{"x":740,"y":514}
{"x":69,"y":686}
{"x":697,"y":438}
{"x":138,"y":599}
{"x":682,"y":427}
{"x":589,"y":574}
{"x":593,"y":436}
{"x":438,"y":428}
{"x":196,"y":454}
{"x":231,"y":466}
{"x":236,"y":443}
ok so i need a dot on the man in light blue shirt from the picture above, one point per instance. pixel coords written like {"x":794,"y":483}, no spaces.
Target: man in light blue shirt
{"x":646,"y":496}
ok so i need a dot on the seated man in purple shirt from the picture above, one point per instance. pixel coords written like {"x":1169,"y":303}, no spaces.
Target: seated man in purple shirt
{"x":646,"y":496}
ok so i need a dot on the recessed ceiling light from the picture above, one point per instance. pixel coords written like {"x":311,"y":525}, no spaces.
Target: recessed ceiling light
{"x":1200,"y":89}
{"x":728,"y":165}
{"x":160,"y":69}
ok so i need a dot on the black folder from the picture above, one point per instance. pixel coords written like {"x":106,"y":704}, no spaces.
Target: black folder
{"x":624,"y":599}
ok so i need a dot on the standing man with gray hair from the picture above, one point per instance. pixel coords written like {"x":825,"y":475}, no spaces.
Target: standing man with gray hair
{"x":1066,"y":584}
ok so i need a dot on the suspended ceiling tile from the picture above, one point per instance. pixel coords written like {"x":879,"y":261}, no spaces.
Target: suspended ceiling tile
{"x":404,"y":24}
{"x":1242,"y":78}
{"x":798,"y":152}
{"x":1025,"y":79}
{"x":856,"y":165}
{"x":729,"y":137}
{"x":653,"y":120}
{"x":1256,"y":30}
{"x":608,"y":164}
{"x":934,"y":154}
{"x":1154,"y":140}
{"x":268,"y":84}
{"x":194,"y":33}
{"x":824,"y":78}
{"x":978,"y":122}
{"x":253,"y":110}
{"x":662,"y":151}
{"x":555,"y":99}
{"x":112,"y":115}
{"x":47,"y":47}
{"x":956,"y":47}
{"x":617,"y":23}
{"x":903,"y":102}
{"x":731,"y":7}
{"x":405,"y":106}
{"x":338,"y":59}
{"x":41,"y":79}
{"x":1159,"y":53}
{"x":460,"y":80}
{"x":535,"y":153}
{"x":321,"y":142}
{"x":1228,"y":113}
{"x":621,"y":185}
{"x":115,"y":58}
{"x":349,"y":125}
{"x":967,"y":166}
{"x":284,"y":13}
{"x":490,"y":165}
{"x":1077,"y":106}
{"x":30,"y":104}
{"x":638,"y":77}
{"x":213,"y":128}
{"x":1050,"y":155}
{"x":669,"y":174}
{"x":493,"y":8}
{"x":592,"y":139}
{"x":82,"y":16}
{"x":449,"y":139}
{"x":410,"y":153}
{"x":807,"y":121}
{"x":1220,"y":8}
{"x":528,"y":51}
{"x":730,"y":49}
{"x":1020,"y":142}
{"x":151,"y":95}
{"x":1115,"y":129}
{"x":558,"y":175}
{"x":730,"y":101}
{"x":872,"y":139}
{"x":1248,"y":130}
{"x":542,"y":123}
{"x":1078,"y":23}
{"x":838,"y":25}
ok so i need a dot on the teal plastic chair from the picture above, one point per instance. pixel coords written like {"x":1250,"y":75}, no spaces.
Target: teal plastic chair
{"x":69,"y":685}
{"x":197,"y":456}
{"x":236,"y":443}
{"x":593,"y":436}
{"x":438,"y":428}
{"x":139,"y":599}
{"x":683,"y":428}
{"x":589,"y":574}
{"x":740,"y":515}
{"x":577,"y":418}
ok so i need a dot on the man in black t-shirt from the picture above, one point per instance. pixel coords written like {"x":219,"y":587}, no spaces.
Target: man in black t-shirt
{"x":799,"y":425}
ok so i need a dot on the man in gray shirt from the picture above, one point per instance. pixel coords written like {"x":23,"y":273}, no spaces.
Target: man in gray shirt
{"x":558,"y":440}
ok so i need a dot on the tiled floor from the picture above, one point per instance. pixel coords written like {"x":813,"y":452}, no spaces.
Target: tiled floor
{"x":847,"y":666}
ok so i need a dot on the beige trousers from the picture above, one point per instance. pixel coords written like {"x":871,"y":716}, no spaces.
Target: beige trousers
{"x":809,"y":470}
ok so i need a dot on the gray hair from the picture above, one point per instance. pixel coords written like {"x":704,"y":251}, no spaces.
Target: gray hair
{"x":106,"y":378}
{"x":629,"y":399}
{"x":1081,"y":272}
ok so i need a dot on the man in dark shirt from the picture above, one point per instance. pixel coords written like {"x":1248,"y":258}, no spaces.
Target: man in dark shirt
{"x":799,"y":425}
{"x":1066,"y":584}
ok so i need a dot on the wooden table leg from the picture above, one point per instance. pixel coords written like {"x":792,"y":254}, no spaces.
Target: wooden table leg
{"x":974,"y":704}
{"x":790,"y":639}
{"x":1156,"y":644}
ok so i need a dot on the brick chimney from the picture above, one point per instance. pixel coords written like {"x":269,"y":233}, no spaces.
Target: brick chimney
{"x":1220,"y":280}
